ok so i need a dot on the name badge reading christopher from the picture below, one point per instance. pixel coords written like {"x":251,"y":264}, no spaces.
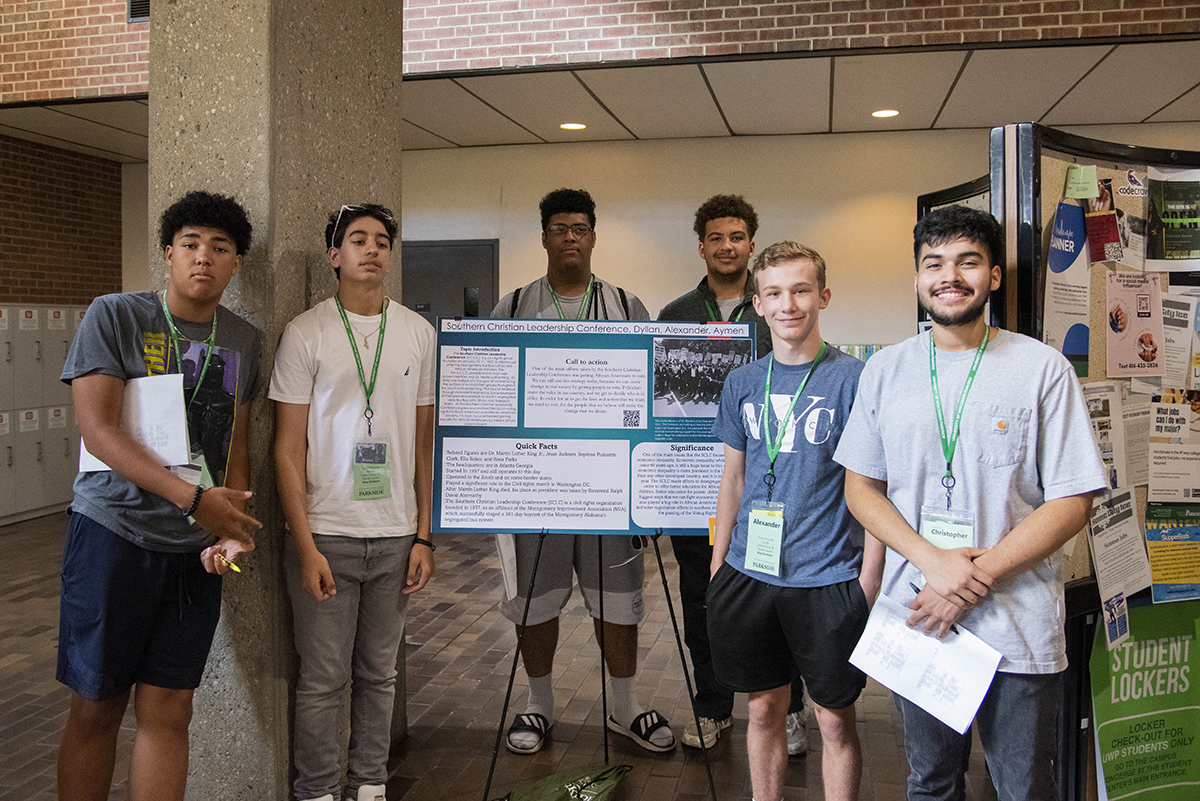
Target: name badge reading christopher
{"x":948,"y":529}
{"x":372,"y":469}
{"x":764,"y":538}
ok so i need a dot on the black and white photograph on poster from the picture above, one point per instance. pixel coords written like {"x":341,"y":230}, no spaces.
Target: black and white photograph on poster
{"x":689,"y":374}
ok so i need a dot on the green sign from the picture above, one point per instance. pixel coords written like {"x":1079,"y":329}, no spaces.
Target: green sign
{"x":1147,"y":705}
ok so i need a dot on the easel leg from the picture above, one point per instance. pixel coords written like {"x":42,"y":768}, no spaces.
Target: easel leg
{"x":712,"y":788}
{"x":512,"y":674}
{"x":600,"y":636}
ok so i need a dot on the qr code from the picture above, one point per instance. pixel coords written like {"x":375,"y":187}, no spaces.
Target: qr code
{"x":1113,"y":252}
{"x":633,"y":418}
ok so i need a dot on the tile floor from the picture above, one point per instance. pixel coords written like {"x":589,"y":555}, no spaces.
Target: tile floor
{"x":459,"y":659}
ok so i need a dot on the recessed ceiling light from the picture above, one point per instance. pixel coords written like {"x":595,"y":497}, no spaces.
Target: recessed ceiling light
{"x":572,"y":126}
{"x":887,"y":112}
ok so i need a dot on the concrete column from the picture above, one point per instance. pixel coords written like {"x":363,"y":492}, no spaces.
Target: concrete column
{"x":293,"y":107}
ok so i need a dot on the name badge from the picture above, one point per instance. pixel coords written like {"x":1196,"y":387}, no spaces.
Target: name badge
{"x":372,"y":468}
{"x":764,"y":538}
{"x":947,"y":529}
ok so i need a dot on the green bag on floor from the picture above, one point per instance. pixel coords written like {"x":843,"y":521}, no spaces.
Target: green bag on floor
{"x":591,"y":783}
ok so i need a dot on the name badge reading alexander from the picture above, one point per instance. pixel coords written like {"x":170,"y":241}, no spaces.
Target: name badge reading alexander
{"x":372,"y":469}
{"x":764,"y":538}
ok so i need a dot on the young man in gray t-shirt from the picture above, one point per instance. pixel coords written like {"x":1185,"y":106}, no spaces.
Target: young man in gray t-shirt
{"x":974,"y":493}
{"x":146,"y":545}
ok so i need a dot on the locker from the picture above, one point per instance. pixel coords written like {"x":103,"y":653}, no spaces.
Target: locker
{"x":8,"y":503}
{"x":58,"y":331}
{"x":6,"y":358}
{"x":58,"y":469}
{"x":28,"y":461}
{"x":28,"y":357}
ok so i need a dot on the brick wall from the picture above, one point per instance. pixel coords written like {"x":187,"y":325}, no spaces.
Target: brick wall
{"x":441,"y":35}
{"x":52,"y":49}
{"x":60,"y":224}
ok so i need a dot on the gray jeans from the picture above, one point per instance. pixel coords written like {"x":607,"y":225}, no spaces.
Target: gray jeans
{"x":351,"y":638}
{"x":1018,"y":724}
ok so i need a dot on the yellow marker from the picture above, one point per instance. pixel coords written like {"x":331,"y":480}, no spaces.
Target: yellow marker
{"x":228,"y":563}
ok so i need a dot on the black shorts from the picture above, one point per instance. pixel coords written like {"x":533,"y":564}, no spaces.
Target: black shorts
{"x":757,"y":630}
{"x":129,"y":615}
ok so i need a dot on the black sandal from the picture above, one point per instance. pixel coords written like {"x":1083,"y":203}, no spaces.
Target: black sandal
{"x":643,"y":726}
{"x":528,"y":723}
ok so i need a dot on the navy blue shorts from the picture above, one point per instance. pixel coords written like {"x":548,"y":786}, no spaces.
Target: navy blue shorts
{"x":757,"y":630}
{"x":129,"y":615}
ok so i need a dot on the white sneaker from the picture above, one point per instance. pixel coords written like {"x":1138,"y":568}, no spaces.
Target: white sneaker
{"x":711,"y":729}
{"x":797,"y":734}
{"x":326,"y":797}
{"x":372,"y":792}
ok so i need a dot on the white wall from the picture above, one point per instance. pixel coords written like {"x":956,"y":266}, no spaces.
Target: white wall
{"x":851,"y":196}
{"x":135,"y":233}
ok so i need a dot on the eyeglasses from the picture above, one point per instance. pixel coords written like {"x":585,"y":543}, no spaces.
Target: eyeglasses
{"x":558,"y":229}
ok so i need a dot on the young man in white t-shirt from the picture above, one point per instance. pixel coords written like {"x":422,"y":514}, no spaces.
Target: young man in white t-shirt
{"x":353,"y":386}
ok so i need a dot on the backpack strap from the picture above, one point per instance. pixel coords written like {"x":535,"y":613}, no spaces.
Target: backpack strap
{"x":624,"y":301}
{"x":512,"y":313}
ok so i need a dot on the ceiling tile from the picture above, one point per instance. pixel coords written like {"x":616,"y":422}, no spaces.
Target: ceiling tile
{"x":915,"y":84}
{"x":125,"y":115}
{"x":1130,"y":85}
{"x":1185,"y":109}
{"x":447,"y":110}
{"x":414,"y":138}
{"x":66,"y":130}
{"x":76,"y":147}
{"x":999,"y":87}
{"x":668,"y":102}
{"x":783,"y":96}
{"x":541,"y":101}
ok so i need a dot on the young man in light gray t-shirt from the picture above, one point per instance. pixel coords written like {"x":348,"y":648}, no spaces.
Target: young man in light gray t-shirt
{"x":974,"y":499}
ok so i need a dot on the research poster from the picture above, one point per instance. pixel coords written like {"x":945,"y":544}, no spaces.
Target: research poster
{"x":580,"y":426}
{"x":1147,"y":706}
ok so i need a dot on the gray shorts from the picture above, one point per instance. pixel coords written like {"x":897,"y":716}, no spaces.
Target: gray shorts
{"x":564,"y":554}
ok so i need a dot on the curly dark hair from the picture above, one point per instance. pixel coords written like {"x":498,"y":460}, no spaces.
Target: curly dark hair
{"x":567,"y":201}
{"x":956,"y":222}
{"x":206,"y":210}
{"x":719,"y":206}
{"x":341,"y":219}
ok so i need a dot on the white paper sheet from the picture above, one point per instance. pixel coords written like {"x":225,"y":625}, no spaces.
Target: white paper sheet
{"x":1119,"y":554}
{"x":947,"y":678}
{"x":153,"y":413}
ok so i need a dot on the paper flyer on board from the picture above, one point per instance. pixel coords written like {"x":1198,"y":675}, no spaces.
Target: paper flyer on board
{"x":1135,"y":325}
{"x":1103,"y":232}
{"x":581,"y":426}
{"x":1173,"y":219}
{"x":947,"y":678}
{"x":152,"y":411}
{"x":1137,"y":414}
{"x":1175,"y":453}
{"x":1173,"y":542}
{"x":1179,"y":311}
{"x":1119,"y":554}
{"x":1106,"y":413}
{"x":1068,"y":288}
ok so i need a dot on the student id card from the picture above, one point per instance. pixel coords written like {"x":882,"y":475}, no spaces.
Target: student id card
{"x":372,"y":468}
{"x":764,"y":538}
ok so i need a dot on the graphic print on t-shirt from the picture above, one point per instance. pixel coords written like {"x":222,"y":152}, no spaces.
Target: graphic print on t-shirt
{"x":816,"y":421}
{"x":211,"y":407}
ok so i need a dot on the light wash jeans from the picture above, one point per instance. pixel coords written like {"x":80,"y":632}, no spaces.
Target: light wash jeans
{"x":352,"y":637}
{"x":1018,"y":724}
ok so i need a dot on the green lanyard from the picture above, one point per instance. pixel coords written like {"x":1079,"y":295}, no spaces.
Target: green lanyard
{"x":950,"y":442}
{"x":209,"y":344}
{"x":773,"y":447}
{"x":715,"y":317}
{"x":362,"y":379}
{"x":587,"y":295}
